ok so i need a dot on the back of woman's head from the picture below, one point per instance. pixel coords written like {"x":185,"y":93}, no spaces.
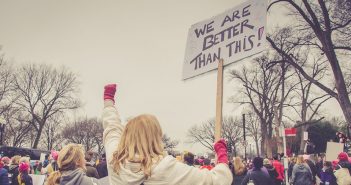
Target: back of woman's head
{"x":15,"y":159}
{"x":70,"y":157}
{"x":239,"y":167}
{"x":140,"y":142}
{"x":300,"y":159}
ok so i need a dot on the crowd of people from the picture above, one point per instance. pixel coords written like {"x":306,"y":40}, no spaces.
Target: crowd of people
{"x":135,"y":155}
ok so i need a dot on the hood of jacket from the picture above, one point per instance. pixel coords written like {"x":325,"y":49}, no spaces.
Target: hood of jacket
{"x":75,"y":177}
{"x":12,"y":168}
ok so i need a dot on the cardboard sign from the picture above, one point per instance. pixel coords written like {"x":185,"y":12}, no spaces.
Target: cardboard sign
{"x":37,"y":179}
{"x":333,"y":150}
{"x":233,"y":35}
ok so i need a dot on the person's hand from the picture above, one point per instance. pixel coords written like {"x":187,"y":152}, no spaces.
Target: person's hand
{"x":221,"y":151}
{"x":109,"y":92}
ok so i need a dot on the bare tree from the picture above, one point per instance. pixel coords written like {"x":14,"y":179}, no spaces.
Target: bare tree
{"x":204,"y":133}
{"x":253,"y":129}
{"x":87,"y":132}
{"x":43,"y":92}
{"x":52,"y":134}
{"x":261,"y":84}
{"x":169,"y":144}
{"x":324,"y":26}
{"x":5,"y":85}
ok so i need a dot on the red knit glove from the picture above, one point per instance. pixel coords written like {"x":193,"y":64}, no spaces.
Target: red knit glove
{"x":109,"y":92}
{"x":221,"y":151}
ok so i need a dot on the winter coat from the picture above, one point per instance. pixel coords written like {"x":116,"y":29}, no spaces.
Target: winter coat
{"x":14,"y":174}
{"x":290,"y":169}
{"x":280,"y":169}
{"x":259,"y":177}
{"x":313,"y":169}
{"x":24,"y":179}
{"x":91,"y":171}
{"x":76,"y":177}
{"x":4,"y":177}
{"x":102,"y":169}
{"x":238,"y":179}
{"x":327,"y":175}
{"x":301,"y":175}
{"x":272,"y":172}
{"x":343,"y":164}
{"x":168,"y":171}
{"x":342,"y":175}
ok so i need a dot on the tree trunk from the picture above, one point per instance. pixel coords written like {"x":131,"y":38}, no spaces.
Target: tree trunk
{"x":37,"y":137}
{"x":257,"y":148}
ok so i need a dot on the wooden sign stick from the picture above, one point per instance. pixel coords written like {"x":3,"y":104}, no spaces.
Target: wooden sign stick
{"x":219,"y":101}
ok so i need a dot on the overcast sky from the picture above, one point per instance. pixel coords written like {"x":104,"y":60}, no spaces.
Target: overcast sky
{"x":139,"y":45}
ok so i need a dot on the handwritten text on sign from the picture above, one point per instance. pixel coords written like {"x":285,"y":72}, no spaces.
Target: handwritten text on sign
{"x":233,"y":35}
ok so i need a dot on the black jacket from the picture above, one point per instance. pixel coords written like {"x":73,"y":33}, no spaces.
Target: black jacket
{"x":13,"y":170}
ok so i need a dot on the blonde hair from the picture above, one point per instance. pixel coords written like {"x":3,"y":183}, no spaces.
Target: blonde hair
{"x":239,"y":167}
{"x":141,"y":142}
{"x":70,"y":157}
{"x":300,"y":160}
{"x":15,"y":159}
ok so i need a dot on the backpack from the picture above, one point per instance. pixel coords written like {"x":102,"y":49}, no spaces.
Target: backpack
{"x":343,"y":176}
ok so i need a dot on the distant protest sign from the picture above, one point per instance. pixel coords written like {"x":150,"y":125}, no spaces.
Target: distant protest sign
{"x":233,"y":35}
{"x":333,"y":150}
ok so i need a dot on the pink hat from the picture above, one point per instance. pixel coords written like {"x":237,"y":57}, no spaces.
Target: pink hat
{"x":23,"y":167}
{"x":6,"y":160}
{"x":54,"y":154}
{"x":343,"y":156}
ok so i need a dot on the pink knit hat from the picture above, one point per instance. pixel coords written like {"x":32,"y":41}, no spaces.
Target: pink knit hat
{"x":54,"y":154}
{"x":343,"y":156}
{"x":23,"y":167}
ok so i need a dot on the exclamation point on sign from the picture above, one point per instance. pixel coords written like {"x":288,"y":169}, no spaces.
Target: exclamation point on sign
{"x":260,"y":33}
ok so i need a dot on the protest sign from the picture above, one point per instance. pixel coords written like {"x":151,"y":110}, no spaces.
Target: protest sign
{"x":333,"y":150}
{"x":37,"y":179}
{"x":233,"y":35}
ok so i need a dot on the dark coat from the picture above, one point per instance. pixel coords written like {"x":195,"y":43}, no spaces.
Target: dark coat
{"x":25,"y":178}
{"x":327,"y":175}
{"x":4,"y":179}
{"x":91,"y":171}
{"x":102,"y":169}
{"x":14,"y":174}
{"x":258,"y":177}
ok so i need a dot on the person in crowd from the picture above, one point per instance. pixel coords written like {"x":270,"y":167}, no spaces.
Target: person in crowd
{"x":71,"y":168}
{"x":52,"y":166}
{"x":207,"y":164}
{"x":239,"y":170}
{"x":312,"y":166}
{"x":6,"y":162}
{"x":189,"y":158}
{"x":279,"y":167}
{"x":37,"y":168}
{"x":257,"y":176}
{"x":46,"y":161}
{"x":13,"y":169}
{"x":292,"y":163}
{"x":136,"y":152}
{"x":327,"y":174}
{"x":271,"y":170}
{"x":102,"y":167}
{"x":90,"y":169}
{"x":4,"y":179}
{"x":301,"y":174}
{"x":197,"y":163}
{"x":23,"y":178}
{"x":342,"y":170}
{"x":319,"y":166}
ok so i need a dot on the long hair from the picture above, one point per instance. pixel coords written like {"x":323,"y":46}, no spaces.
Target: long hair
{"x":239,"y":167}
{"x":141,"y":142}
{"x":70,"y":157}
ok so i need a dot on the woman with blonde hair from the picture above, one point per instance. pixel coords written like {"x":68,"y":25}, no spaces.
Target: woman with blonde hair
{"x":301,"y":174}
{"x":239,"y":169}
{"x":71,"y":165}
{"x":135,"y":153}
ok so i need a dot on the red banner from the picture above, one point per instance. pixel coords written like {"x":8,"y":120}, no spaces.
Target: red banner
{"x":290,"y":132}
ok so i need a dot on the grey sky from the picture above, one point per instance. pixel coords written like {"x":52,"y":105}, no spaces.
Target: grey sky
{"x":137,"y":44}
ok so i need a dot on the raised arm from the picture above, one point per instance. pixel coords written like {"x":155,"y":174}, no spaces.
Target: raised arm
{"x":111,"y":121}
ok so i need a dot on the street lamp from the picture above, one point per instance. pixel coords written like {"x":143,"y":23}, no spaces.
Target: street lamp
{"x":2,"y":129}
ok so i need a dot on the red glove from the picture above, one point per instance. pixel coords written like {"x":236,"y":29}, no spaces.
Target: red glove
{"x":109,"y":92}
{"x":221,"y":151}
